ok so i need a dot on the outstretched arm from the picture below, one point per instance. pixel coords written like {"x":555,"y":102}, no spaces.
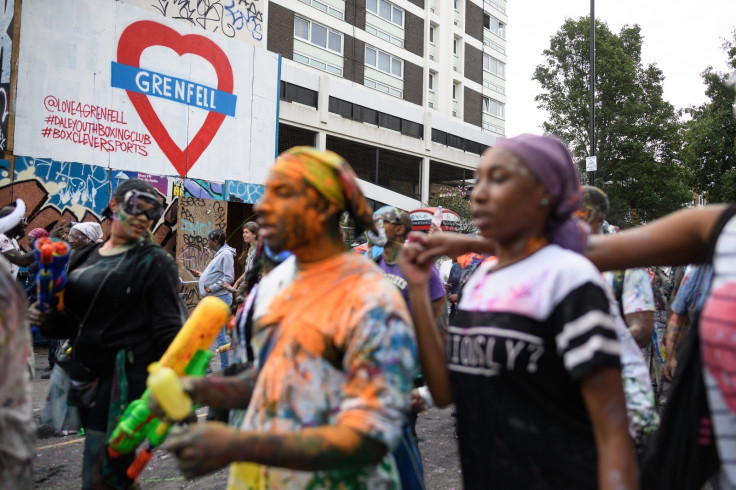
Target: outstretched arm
{"x":212,"y":445}
{"x":225,"y":392}
{"x":675,"y":239}
{"x":19,"y":258}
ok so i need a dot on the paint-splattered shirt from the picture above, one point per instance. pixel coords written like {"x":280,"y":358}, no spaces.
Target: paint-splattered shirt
{"x":17,"y":430}
{"x":637,"y":293}
{"x":338,"y":350}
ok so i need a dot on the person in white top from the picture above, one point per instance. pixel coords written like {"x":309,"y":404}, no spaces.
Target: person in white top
{"x":9,"y":243}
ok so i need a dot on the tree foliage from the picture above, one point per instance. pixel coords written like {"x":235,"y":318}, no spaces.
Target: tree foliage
{"x":637,"y":133}
{"x":456,"y":199}
{"x":710,"y":134}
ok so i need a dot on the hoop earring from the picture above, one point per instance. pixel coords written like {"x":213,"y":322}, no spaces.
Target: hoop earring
{"x":544,"y":202}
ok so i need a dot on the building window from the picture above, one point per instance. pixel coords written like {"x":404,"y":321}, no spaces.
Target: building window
{"x":494,"y":87}
{"x":368,"y":82}
{"x":384,"y":35}
{"x":494,"y":66}
{"x":455,"y":90}
{"x":318,"y":64}
{"x":318,"y":35}
{"x":431,"y":34}
{"x":430,"y":82}
{"x":494,"y":107}
{"x":494,"y":45}
{"x":386,"y":11}
{"x":325,"y":8}
{"x":454,"y":46}
{"x":455,"y":4}
{"x":494,"y":25}
{"x":492,"y":127}
{"x":384,"y":62}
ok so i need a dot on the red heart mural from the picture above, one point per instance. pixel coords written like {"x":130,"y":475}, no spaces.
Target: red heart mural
{"x":141,"y":35}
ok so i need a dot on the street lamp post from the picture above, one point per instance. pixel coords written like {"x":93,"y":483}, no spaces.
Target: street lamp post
{"x":591,"y":163}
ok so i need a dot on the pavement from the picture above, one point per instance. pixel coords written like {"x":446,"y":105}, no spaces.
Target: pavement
{"x":58,"y":462}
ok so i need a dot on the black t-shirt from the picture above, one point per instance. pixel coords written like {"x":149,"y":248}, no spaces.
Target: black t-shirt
{"x":523,"y":338}
{"x":126,"y":301}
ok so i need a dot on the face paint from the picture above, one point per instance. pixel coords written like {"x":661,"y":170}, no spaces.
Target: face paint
{"x":379,"y":238}
{"x":291,"y":213}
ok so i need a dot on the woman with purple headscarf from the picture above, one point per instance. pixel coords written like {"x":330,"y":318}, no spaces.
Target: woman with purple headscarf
{"x":532,"y":356}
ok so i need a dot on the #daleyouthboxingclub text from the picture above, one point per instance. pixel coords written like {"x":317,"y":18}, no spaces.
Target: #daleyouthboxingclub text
{"x":82,"y":124}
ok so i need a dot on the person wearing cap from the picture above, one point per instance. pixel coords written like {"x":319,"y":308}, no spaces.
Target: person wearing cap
{"x":121,"y":311}
{"x":219,"y":273}
{"x":397,"y":226}
{"x":336,"y":351}
{"x":532,"y":357}
{"x":17,"y":429}
{"x":9,"y":243}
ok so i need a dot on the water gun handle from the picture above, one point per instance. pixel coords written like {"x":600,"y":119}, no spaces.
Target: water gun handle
{"x":167,"y":389}
{"x":52,"y":256}
{"x":164,"y":386}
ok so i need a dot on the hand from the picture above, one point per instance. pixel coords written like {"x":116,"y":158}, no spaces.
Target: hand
{"x":452,"y":298}
{"x":415,"y":273}
{"x":35,"y":315}
{"x":188,"y":384}
{"x":668,"y":372}
{"x":447,"y":286}
{"x":417,"y":402}
{"x":449,"y":244}
{"x":203,"y":449}
{"x":195,"y":272}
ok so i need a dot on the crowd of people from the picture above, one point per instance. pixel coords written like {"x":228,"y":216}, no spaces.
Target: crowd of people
{"x":561,"y":376}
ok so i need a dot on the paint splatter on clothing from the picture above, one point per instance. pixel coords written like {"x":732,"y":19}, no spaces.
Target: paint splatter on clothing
{"x":637,"y":294}
{"x":7,"y":244}
{"x":17,"y":430}
{"x":338,"y":350}
{"x":523,"y":338}
{"x":654,"y":353}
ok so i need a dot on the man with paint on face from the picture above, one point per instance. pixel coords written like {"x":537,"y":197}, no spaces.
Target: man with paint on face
{"x":336,"y":349}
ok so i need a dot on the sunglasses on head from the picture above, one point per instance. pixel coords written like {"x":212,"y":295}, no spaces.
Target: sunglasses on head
{"x":137,"y":202}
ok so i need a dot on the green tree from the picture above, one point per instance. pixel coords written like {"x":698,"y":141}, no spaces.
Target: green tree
{"x":456,"y":199}
{"x":710,"y":135}
{"x":638,"y":135}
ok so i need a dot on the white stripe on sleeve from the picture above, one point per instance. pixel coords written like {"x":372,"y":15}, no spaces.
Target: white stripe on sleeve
{"x":581,"y":325}
{"x":585,"y":352}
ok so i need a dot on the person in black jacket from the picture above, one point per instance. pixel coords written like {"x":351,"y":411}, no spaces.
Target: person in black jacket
{"x":121,"y":312}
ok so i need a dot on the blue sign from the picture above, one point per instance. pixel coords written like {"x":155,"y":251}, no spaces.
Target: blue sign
{"x":149,"y":82}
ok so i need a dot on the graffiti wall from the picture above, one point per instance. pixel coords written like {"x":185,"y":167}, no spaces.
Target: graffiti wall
{"x":197,"y":218}
{"x":242,"y":20}
{"x":56,"y":192}
{"x":7,"y":9}
{"x":126,"y":88}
